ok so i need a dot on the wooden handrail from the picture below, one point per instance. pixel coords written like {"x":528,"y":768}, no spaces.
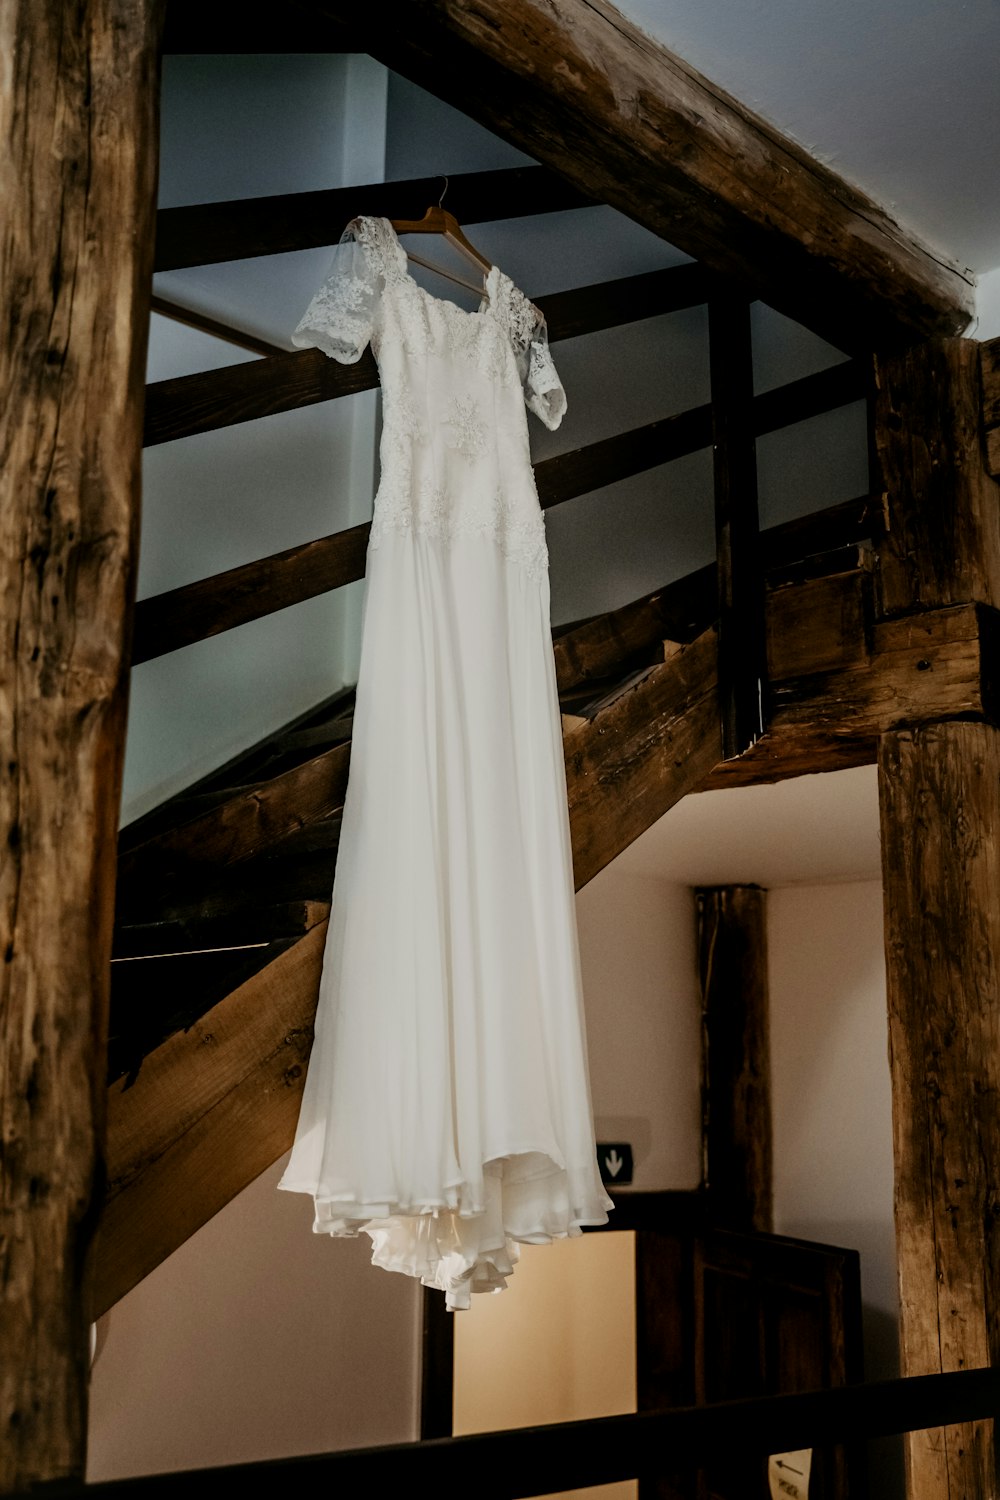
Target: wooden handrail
{"x":209,"y":606}
{"x":239,"y":393}
{"x":569,"y":1455}
{"x":205,"y":234}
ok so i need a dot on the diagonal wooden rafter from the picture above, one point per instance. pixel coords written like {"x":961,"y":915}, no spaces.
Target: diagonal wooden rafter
{"x":587,"y":93}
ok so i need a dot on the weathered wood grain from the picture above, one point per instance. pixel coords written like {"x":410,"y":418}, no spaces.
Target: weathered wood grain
{"x":940,"y":815}
{"x":989,"y":355}
{"x":736,"y":1060}
{"x":942,"y":543}
{"x":242,"y":825}
{"x":651,"y":746}
{"x":586,"y":92}
{"x":78,"y":112}
{"x":594,"y":649}
{"x":210,"y":1110}
{"x":935,"y":665}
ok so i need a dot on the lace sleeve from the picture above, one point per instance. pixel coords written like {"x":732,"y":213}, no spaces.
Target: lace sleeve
{"x":340,"y":317}
{"x":543,"y":391}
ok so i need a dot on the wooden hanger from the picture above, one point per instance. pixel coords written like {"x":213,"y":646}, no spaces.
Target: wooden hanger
{"x":438,"y":220}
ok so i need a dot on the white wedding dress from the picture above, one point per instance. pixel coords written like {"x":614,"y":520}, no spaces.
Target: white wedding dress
{"x":447,"y":1109}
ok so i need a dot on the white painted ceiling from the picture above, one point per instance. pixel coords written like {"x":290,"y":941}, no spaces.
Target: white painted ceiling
{"x":901,"y":97}
{"x":812,"y":830}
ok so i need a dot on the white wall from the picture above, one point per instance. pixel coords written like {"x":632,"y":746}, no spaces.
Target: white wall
{"x":637,"y":951}
{"x":256,"y":1339}
{"x":833,"y":1174}
{"x":988,"y":306}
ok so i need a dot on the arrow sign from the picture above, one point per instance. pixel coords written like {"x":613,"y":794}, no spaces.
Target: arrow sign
{"x":615,"y":1161}
{"x":788,"y":1475}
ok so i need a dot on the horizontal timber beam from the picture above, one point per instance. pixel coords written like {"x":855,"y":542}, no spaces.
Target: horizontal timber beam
{"x":534,"y":1460}
{"x":193,"y":27}
{"x":585,"y":91}
{"x":205,"y":234}
{"x":192,"y":318}
{"x":209,"y":606}
{"x":190,"y":404}
{"x":938,"y":664}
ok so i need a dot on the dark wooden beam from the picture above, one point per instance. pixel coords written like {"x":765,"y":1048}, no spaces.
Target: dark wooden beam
{"x":990,"y":369}
{"x":736,"y":1066}
{"x":437,"y":1366}
{"x":940,"y":818}
{"x":942,"y":539}
{"x":210,"y":1110}
{"x":205,"y":234}
{"x":212,"y":605}
{"x":657,"y":741}
{"x":191,"y":318}
{"x":228,"y":26}
{"x":239,"y":393}
{"x":78,"y":113}
{"x":530,"y":1460}
{"x":190,"y":404}
{"x":622,"y":639}
{"x":939,"y":788}
{"x":585,"y":91}
{"x":742,"y":653}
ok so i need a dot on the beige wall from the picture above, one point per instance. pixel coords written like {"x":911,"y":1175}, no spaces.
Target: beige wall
{"x":557,"y":1346}
{"x":256,"y":1339}
{"x":831,"y":1089}
{"x":637,"y":950}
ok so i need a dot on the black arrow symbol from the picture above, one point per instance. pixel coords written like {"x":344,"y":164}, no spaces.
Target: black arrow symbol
{"x":779,"y":1463}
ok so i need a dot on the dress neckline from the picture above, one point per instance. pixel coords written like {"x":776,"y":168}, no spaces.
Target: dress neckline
{"x":489,"y":281}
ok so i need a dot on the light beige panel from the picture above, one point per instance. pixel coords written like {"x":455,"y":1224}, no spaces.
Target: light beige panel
{"x":557,"y":1346}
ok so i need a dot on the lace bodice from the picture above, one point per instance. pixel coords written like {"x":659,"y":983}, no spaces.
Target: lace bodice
{"x":454,"y":452}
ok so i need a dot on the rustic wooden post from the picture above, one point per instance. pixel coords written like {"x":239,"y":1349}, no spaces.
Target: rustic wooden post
{"x":736,"y":1084}
{"x":742,"y":650}
{"x":78,"y":106}
{"x":940,"y":818}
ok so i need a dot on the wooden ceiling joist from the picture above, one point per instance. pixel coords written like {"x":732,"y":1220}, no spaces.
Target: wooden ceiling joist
{"x":584,"y":91}
{"x":205,"y":234}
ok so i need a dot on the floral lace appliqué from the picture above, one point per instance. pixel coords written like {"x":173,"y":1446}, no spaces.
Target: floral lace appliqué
{"x":468,"y":430}
{"x":519,"y":533}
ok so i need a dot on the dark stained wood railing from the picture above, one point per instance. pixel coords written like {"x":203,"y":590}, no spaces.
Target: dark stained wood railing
{"x":211,"y":605}
{"x":205,"y":234}
{"x":569,"y":1455}
{"x":239,"y":393}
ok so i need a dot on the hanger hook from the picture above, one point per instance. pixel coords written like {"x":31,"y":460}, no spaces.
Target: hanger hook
{"x":443,"y":191}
